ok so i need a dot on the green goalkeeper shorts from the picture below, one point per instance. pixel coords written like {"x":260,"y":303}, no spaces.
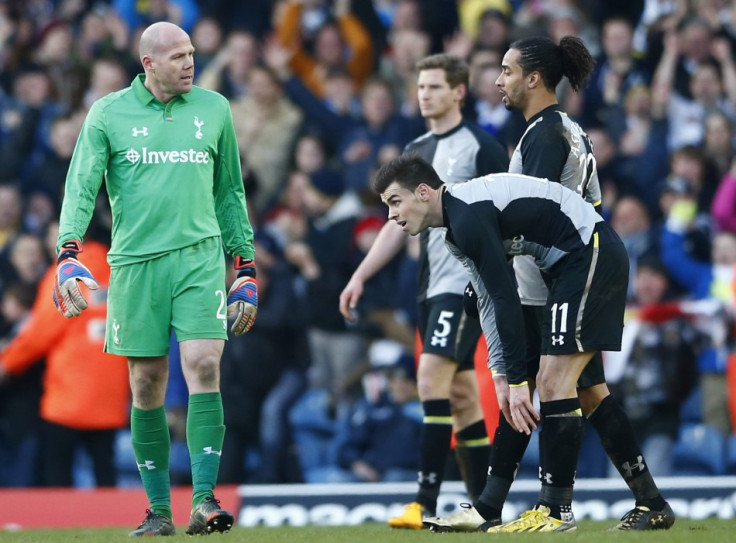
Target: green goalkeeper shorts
{"x":183,"y":290}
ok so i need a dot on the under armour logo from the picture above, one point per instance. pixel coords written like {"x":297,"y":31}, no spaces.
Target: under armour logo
{"x":558,"y":340}
{"x":148,"y":464}
{"x":430,"y":478}
{"x":199,"y":124}
{"x":546,"y":477}
{"x":438,"y":341}
{"x":629,"y":468}
{"x":115,"y":328}
{"x":469,"y":292}
{"x":140,"y":132}
{"x":210,"y":450}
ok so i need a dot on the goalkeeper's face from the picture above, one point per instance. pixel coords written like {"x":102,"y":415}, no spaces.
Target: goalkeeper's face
{"x":172,"y":65}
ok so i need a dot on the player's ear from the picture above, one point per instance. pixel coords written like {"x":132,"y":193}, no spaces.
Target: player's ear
{"x":534,"y":80}
{"x":461,"y":90}
{"x":147,"y":63}
{"x":422,"y":192}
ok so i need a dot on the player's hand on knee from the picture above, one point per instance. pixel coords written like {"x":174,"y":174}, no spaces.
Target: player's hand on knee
{"x":524,"y":416}
{"x":242,"y":299}
{"x":502,"y":396}
{"x":70,"y":272}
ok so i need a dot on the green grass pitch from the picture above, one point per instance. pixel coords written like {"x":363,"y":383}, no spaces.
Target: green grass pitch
{"x":684,"y":531}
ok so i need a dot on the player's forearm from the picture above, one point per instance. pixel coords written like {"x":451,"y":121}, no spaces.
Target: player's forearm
{"x":390,"y":240}
{"x":230,"y":199}
{"x":84,"y":179}
{"x":74,"y":220}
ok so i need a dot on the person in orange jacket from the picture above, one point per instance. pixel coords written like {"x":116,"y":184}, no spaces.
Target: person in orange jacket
{"x":342,"y":40}
{"x":85,"y":390}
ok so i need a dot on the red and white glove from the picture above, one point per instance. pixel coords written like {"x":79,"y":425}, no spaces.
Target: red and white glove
{"x":69,"y":272}
{"x":242,"y":299}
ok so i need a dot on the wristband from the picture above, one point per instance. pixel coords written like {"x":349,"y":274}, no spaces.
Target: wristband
{"x":69,"y":249}
{"x":522,"y":384}
{"x":246,"y":267}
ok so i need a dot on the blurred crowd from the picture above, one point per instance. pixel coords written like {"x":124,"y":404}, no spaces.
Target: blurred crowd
{"x":322,"y":93}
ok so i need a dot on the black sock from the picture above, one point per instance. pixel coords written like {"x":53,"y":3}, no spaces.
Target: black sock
{"x":506,"y":452}
{"x":560,"y":440}
{"x":618,"y":439}
{"x":435,"y":447}
{"x":560,"y":512}
{"x":473,"y":452}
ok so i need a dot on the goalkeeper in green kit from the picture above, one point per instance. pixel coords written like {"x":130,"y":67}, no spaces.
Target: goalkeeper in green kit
{"x":167,"y":153}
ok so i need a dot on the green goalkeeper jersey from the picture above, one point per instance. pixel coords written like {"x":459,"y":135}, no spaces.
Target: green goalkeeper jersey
{"x":172,"y":173}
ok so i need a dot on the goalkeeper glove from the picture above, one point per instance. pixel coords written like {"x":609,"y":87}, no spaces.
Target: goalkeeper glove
{"x":69,"y":271}
{"x":242,"y":299}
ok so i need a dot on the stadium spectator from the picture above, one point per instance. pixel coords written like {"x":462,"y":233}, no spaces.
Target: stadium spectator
{"x":30,"y":112}
{"x":265,"y":371}
{"x":616,"y":71}
{"x":640,"y":130}
{"x":208,"y":38}
{"x":102,"y":33}
{"x":227,"y":72}
{"x":490,"y":112}
{"x":137,"y":15}
{"x":339,"y":40}
{"x":688,"y":177}
{"x":493,"y":30}
{"x":11,"y":214}
{"x":703,"y":280}
{"x":68,"y":75}
{"x":361,"y":143}
{"x":397,"y":67}
{"x":630,"y":219}
{"x":310,"y":154}
{"x":476,"y":16}
{"x":326,"y":256}
{"x":266,"y":125}
{"x":711,"y":84}
{"x":723,"y":209}
{"x":379,"y":439}
{"x":107,"y":75}
{"x":613,"y":181}
{"x":20,"y":396}
{"x":655,"y":370}
{"x":85,"y":390}
{"x":718,"y":143}
{"x":48,"y":175}
{"x":27,"y":259}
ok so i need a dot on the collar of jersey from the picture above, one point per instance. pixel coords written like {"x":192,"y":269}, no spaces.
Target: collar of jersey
{"x":450,"y":132}
{"x":553,"y":107}
{"x":144,"y":95}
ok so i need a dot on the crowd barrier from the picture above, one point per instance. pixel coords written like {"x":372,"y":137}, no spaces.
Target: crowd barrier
{"x":341,"y":504}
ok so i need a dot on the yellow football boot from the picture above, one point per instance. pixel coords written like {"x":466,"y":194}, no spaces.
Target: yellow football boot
{"x":410,"y":519}
{"x":535,"y":520}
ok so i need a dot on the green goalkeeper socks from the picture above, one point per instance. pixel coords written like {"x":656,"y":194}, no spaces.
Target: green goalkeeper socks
{"x":205,"y":435}
{"x":152,"y":445}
